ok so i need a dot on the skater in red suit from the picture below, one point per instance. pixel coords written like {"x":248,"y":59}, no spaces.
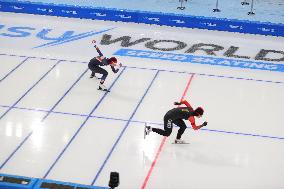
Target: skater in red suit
{"x":176,"y":116}
{"x":96,"y":63}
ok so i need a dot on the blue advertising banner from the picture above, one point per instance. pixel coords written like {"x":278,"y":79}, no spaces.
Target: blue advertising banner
{"x":220,"y":24}
{"x":245,"y":64}
{"x":21,"y":182}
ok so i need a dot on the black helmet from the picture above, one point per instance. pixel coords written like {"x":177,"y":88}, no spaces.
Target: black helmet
{"x":199,"y":111}
{"x":112,"y":59}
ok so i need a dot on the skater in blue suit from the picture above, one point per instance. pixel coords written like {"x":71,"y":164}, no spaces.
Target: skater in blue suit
{"x":96,"y":63}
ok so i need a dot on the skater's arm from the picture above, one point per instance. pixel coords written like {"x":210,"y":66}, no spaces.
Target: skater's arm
{"x":186,"y":103}
{"x":98,"y":50}
{"x":191,"y":119}
{"x":183,"y":102}
{"x":114,"y":70}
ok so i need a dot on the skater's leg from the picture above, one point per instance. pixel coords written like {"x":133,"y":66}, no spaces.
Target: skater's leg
{"x":102,"y":71}
{"x":182,"y":126}
{"x":168,"y":127}
{"x":93,"y":74}
{"x":161,"y":131}
{"x":92,"y":66}
{"x":98,"y":69}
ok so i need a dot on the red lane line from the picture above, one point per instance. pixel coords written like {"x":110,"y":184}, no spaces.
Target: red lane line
{"x":163,"y":141}
{"x":187,"y":86}
{"x":153,"y":163}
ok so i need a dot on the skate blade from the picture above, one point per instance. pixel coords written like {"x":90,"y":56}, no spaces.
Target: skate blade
{"x":145,"y":132}
{"x":105,"y":90}
{"x":181,"y":143}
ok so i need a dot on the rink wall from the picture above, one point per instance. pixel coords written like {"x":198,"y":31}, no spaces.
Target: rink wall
{"x":19,"y":182}
{"x":220,"y":24}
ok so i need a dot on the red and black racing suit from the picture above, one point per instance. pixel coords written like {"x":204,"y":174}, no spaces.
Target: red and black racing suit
{"x":176,"y":116}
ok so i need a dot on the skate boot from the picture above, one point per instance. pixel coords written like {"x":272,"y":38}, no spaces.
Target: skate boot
{"x":102,"y":88}
{"x":147,"y":130}
{"x":93,"y":76}
{"x":179,"y":141}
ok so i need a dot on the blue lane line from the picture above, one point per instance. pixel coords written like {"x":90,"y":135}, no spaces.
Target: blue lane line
{"x":64,"y":94}
{"x":210,"y":75}
{"x":48,"y":112}
{"x":14,"y":69}
{"x":11,"y":155}
{"x":13,"y":106}
{"x":42,"y":58}
{"x":122,"y":132}
{"x":82,"y":125}
{"x":202,"y":74}
{"x":142,"y":122}
{"x":10,"y":108}
{"x":3,"y":54}
{"x":243,"y":134}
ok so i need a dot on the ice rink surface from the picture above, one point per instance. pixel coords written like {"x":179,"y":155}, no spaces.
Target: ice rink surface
{"x":55,"y":124}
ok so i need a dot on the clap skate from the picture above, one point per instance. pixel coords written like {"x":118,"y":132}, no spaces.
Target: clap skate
{"x":93,"y":76}
{"x":179,"y":141}
{"x":103,"y":88}
{"x":147,"y":130}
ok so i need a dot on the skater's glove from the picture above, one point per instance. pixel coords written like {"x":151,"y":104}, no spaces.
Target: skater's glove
{"x":94,"y":41}
{"x":118,"y":66}
{"x":204,"y":124}
{"x":177,"y":103}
